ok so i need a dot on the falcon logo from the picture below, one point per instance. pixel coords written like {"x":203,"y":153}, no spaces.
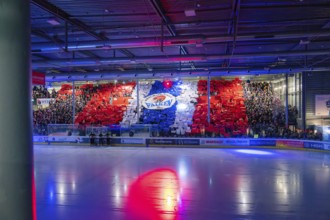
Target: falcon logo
{"x":159,"y":101}
{"x":159,"y":98}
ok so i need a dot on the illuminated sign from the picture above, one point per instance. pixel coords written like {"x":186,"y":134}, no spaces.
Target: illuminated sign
{"x":44,"y":102}
{"x":328,"y":104}
{"x":159,"y":101}
{"x":322,"y":105}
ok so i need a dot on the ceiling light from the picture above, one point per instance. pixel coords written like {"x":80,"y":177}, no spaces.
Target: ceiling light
{"x":304,"y":42}
{"x":190,"y":12}
{"x":280,"y":59}
{"x":54,"y":22}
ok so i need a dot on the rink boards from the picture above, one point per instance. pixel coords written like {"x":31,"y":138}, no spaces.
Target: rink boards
{"x":192,"y":142}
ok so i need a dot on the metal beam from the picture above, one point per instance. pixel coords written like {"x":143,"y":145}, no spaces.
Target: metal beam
{"x":142,"y":74}
{"x":234,"y":27}
{"x":58,"y":46}
{"x":167,"y":59}
{"x":215,"y":23}
{"x":58,"y":12}
{"x":160,"y":11}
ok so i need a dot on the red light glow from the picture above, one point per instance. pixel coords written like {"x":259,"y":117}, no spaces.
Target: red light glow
{"x":154,"y":196}
{"x":167,"y":84}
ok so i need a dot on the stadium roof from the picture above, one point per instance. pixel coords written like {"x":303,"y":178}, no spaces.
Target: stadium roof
{"x":86,"y":39}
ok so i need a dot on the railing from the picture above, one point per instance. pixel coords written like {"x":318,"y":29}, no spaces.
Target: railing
{"x":147,"y":130}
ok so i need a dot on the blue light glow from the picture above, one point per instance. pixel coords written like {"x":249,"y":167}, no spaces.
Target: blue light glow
{"x":255,"y":152}
{"x":182,"y":168}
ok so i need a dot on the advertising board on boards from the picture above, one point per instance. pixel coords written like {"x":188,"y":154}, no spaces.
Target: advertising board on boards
{"x":132,"y":141}
{"x":168,"y":141}
{"x":262,"y":142}
{"x":40,"y":139}
{"x":289,"y":143}
{"x":314,"y":145}
{"x":225,"y":142}
{"x":326,"y":146}
{"x":69,"y":139}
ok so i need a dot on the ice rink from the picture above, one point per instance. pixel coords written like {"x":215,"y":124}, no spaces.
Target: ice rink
{"x":98,"y":183}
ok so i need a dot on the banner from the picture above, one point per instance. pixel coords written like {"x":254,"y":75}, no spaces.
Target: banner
{"x":167,"y":141}
{"x":132,"y":141}
{"x":44,"y":102}
{"x":262,"y":142}
{"x":316,"y":145}
{"x":159,"y":101}
{"x":322,"y":105}
{"x":289,"y":143}
{"x":326,"y":146}
{"x":68,"y":139}
{"x":161,"y":141}
{"x":225,"y":142}
{"x":40,"y":139}
{"x":187,"y":141}
{"x":38,"y":78}
{"x":61,"y":139}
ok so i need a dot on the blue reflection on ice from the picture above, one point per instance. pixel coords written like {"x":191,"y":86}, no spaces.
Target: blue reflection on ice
{"x":255,"y":152}
{"x":182,"y":168}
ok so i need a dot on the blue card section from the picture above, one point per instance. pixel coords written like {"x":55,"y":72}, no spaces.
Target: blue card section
{"x":162,"y":118}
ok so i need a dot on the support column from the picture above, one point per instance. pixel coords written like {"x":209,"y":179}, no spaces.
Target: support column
{"x":16,"y":149}
{"x":73,"y":102}
{"x":295,"y":90}
{"x":303,"y":99}
{"x":138,"y":99}
{"x":208,"y":99}
{"x":300,"y":94}
{"x":286,"y":100}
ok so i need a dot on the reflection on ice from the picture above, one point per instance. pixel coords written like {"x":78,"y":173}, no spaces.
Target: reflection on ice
{"x":154,"y":195}
{"x":255,"y":152}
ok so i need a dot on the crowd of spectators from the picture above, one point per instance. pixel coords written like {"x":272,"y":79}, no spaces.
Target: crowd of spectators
{"x":264,"y":110}
{"x":266,"y":114}
{"x":59,"y":110}
{"x":259,"y":104}
{"x":42,"y":92}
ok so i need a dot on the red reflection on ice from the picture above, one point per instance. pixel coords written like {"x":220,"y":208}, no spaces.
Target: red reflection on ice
{"x":154,"y":196}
